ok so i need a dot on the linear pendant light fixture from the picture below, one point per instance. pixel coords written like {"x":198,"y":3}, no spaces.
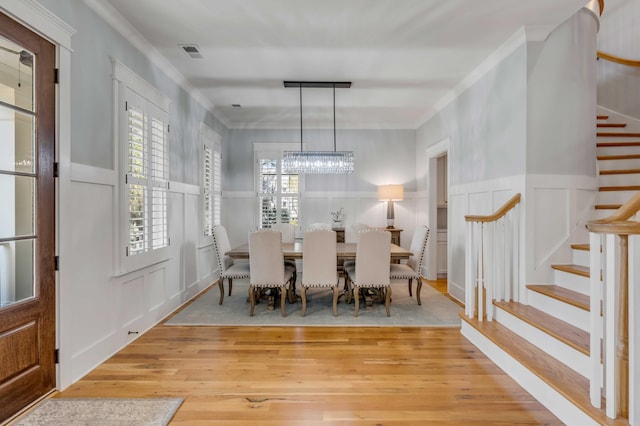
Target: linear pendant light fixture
{"x":318,"y":162}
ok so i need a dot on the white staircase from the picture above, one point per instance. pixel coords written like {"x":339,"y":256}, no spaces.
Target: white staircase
{"x":545,"y":345}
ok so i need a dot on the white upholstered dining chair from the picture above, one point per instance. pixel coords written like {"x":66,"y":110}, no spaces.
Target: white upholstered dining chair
{"x":288,"y":231}
{"x":268,"y":270}
{"x":319,"y":264}
{"x":351,"y":233}
{"x":412,"y":270}
{"x":372,"y":266}
{"x":227,"y":267}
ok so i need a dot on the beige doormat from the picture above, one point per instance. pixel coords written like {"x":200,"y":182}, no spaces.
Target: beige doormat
{"x":102,"y":412}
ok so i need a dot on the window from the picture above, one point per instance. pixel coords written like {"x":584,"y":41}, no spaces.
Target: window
{"x":278,"y":193}
{"x":211,"y":176}
{"x":143,"y":130}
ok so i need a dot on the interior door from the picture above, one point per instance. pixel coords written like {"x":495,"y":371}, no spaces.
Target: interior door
{"x":27,"y":217}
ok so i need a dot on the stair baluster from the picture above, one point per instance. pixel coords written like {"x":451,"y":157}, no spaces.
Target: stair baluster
{"x":492,"y":259}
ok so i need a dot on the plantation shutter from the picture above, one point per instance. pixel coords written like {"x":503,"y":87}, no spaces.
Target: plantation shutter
{"x":278,"y":194}
{"x":147,"y":176}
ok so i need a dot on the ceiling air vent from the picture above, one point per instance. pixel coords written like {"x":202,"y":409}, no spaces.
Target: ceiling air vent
{"x":191,"y":50}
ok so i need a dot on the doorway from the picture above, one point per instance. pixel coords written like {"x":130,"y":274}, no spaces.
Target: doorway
{"x":27,"y":217}
{"x":437,"y":209}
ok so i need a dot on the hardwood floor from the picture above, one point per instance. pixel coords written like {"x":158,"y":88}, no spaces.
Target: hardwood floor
{"x":315,"y":376}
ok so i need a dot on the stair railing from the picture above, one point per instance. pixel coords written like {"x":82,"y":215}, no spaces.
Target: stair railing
{"x":492,"y":259}
{"x":615,"y":312}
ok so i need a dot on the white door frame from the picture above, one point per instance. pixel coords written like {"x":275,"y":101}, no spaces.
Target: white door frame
{"x":433,"y":152}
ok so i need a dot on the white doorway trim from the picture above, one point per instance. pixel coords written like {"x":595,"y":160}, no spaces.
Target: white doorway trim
{"x":433,"y":152}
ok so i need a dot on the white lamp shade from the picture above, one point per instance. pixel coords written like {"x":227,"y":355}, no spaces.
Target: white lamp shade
{"x":390,"y":193}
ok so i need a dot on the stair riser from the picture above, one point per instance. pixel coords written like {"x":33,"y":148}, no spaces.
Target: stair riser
{"x":581,"y":257}
{"x":618,"y":164}
{"x":567,"y":313}
{"x":560,"y":406}
{"x":618,"y":150}
{"x":564,"y":353}
{"x":619,"y":180}
{"x":614,"y":197}
{"x":573,"y":282}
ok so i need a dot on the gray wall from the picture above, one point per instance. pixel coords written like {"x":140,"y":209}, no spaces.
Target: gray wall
{"x":486,"y":126}
{"x":560,"y":111}
{"x":94,"y":44}
{"x":619,"y":35}
{"x":381,"y":156}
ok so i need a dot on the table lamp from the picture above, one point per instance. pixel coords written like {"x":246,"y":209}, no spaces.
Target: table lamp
{"x":390,"y":193}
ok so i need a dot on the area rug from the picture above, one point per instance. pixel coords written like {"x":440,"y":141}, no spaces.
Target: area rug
{"x":436,"y":310}
{"x":102,"y":412}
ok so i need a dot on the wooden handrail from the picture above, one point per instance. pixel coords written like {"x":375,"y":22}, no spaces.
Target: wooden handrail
{"x":601,"y":3}
{"x":498,"y":214}
{"x":618,"y":222}
{"x":618,"y":60}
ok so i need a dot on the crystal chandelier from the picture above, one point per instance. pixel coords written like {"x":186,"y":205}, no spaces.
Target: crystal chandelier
{"x":318,"y":162}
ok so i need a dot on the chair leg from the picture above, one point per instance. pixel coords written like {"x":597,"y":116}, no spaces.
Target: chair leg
{"x":410,"y":282}
{"x":252,"y":299}
{"x":221,"y":287}
{"x":418,"y":289}
{"x":283,"y":295}
{"x":356,"y":295}
{"x":387,"y":300}
{"x":347,"y":284}
{"x":335,"y":301}
{"x":303,"y":294}
{"x":230,"y":285}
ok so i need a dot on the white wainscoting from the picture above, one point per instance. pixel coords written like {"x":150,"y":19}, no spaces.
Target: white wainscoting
{"x":101,"y":312}
{"x":478,"y":198}
{"x":554,"y":209}
{"x":559,"y":206}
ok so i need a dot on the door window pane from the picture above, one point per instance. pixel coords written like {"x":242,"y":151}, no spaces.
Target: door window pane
{"x":17,"y":212}
{"x":16,"y":141}
{"x":16,"y":271}
{"x":16,"y":75}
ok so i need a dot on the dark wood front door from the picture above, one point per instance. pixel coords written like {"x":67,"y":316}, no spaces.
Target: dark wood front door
{"x":27,"y":217}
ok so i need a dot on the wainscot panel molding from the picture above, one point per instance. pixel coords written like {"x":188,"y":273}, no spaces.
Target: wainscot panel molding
{"x":477,"y":198}
{"x":558,"y":207}
{"x":90,"y":174}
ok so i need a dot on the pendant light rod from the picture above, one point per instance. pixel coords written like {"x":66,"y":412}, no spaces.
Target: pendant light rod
{"x":300,"y":118}
{"x":320,"y":84}
{"x":334,"y":118}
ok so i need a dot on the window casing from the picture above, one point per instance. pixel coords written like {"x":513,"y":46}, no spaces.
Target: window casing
{"x":211,"y":188}
{"x":143,"y":134}
{"x":278,"y":193}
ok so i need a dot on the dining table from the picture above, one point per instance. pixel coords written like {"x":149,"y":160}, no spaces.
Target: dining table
{"x":343,"y":251}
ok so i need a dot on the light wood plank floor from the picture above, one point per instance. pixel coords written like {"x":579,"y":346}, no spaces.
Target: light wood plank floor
{"x":315,"y":376}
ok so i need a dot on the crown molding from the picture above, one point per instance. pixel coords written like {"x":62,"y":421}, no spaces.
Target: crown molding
{"x":121,"y":25}
{"x":33,"y":15}
{"x":516,"y":40}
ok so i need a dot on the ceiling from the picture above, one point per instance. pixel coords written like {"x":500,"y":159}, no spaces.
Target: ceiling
{"x":404,"y":57}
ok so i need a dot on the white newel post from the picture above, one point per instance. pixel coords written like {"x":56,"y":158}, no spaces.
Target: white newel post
{"x":595,"y":320}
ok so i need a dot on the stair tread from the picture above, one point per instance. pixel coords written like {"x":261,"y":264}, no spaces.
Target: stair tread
{"x":573,"y":269}
{"x":602,"y":117}
{"x":619,"y":157}
{"x":619,"y":172}
{"x":561,"y":330}
{"x":563,"y":379}
{"x":584,"y":247}
{"x":618,"y":134}
{"x":616,"y":144}
{"x":562,"y":294}
{"x":608,"y":206}
{"x":611,"y":125}
{"x":620,"y":188}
